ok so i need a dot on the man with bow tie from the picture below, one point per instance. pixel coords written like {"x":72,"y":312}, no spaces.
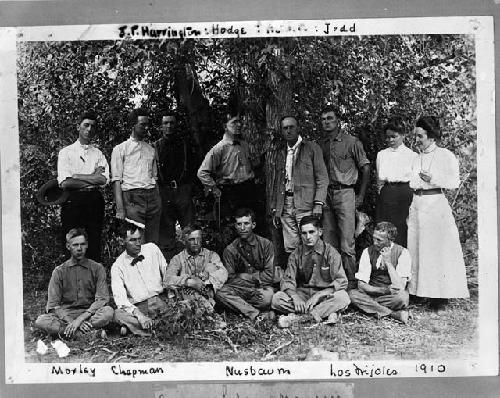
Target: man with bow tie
{"x":301,"y":183}
{"x":137,"y":282}
{"x":82,"y":170}
{"x":134,"y":174}
{"x":384,"y":272}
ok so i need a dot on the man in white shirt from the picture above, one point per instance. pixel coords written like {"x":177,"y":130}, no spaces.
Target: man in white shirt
{"x":82,"y":169}
{"x":134,"y":174}
{"x":384,"y":272}
{"x":137,"y":283}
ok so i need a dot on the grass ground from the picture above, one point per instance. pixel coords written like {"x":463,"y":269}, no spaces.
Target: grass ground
{"x":450,"y":334}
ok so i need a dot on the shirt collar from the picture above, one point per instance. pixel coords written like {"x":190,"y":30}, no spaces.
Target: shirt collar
{"x":226,"y":138}
{"x":128,"y":258}
{"x":318,"y":247}
{"x":84,"y":263}
{"x":296,"y":145}
{"x":430,"y":148}
{"x":132,"y":139}
{"x":400,"y":148}
{"x":252,"y":241}
{"x":201,"y":253}
{"x":82,"y":146}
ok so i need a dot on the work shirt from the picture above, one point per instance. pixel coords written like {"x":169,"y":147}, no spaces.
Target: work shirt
{"x":78,"y":285}
{"x":394,"y":165}
{"x":133,"y":163}
{"x":206,"y":265}
{"x":254,"y":256}
{"x":319,"y":267}
{"x":402,"y":265}
{"x":80,"y":159}
{"x":135,"y":283}
{"x":228,"y":162}
{"x":343,"y":156}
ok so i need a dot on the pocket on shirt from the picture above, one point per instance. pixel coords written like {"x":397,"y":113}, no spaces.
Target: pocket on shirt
{"x":343,"y":160}
{"x":325,"y":274}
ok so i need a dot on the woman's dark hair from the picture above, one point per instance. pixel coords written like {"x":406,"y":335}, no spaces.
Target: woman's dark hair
{"x":395,"y":123}
{"x":431,"y":126}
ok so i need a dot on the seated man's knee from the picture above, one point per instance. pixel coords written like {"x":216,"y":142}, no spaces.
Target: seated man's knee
{"x":102,"y":317}
{"x":401,"y":299}
{"x":343,"y":297}
{"x":48,"y":323}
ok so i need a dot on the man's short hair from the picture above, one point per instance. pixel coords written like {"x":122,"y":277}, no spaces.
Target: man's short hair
{"x":244,"y":212}
{"x":88,"y":114}
{"x":169,"y":112}
{"x":315,"y":221}
{"x":126,"y":228}
{"x":330,"y":108}
{"x":289,"y":116}
{"x":74,"y":232}
{"x":133,"y":116}
{"x":189,"y":229}
{"x":389,"y":228}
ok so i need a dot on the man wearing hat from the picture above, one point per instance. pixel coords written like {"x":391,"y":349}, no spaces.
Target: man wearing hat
{"x":134,"y":174}
{"x":81,"y":170}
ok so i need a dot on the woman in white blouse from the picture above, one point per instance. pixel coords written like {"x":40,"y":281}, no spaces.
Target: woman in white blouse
{"x":394,"y":171}
{"x":438,"y":269}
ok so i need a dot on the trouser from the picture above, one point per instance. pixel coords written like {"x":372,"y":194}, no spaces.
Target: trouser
{"x":144,"y":206}
{"x":247,"y":301}
{"x":177,"y":205}
{"x":85,"y":209}
{"x":335,"y":302}
{"x":339,"y":222}
{"x":153,"y":308}
{"x":393,"y":205}
{"x":290,"y":219}
{"x":52,"y":324}
{"x":379,"y":306}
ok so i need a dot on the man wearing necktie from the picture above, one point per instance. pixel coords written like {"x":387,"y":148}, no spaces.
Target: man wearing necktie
{"x":314,"y":283}
{"x":301,"y":183}
{"x":82,"y":169}
{"x":137,"y":282}
{"x":134,"y":174}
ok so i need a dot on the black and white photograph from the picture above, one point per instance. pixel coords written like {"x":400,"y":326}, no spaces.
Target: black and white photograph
{"x":251,"y":200}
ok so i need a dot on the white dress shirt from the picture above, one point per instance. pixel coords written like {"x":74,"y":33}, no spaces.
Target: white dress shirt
{"x":80,"y":159}
{"x":394,"y":165}
{"x":135,"y":283}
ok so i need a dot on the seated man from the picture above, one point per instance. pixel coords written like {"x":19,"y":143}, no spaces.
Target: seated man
{"x":314,"y":282}
{"x":137,"y":282}
{"x":78,"y":294}
{"x":249,"y":261}
{"x":196,"y":269}
{"x":384,"y":270}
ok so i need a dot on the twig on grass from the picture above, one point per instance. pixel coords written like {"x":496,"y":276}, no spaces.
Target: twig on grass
{"x":277,"y":349}
{"x":229,"y":341}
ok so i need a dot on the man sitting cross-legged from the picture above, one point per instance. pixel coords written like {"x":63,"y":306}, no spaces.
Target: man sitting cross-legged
{"x":77,"y":295}
{"x":137,"y":282}
{"x":314,"y":282}
{"x":249,"y":261}
{"x":196,"y":271}
{"x":384,"y":270}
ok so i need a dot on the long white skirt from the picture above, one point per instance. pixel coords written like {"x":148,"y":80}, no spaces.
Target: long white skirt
{"x":438,"y":268}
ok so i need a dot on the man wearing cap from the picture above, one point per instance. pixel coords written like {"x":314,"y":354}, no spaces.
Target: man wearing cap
{"x":137,"y":282}
{"x":301,"y":183}
{"x":77,"y":295}
{"x":176,"y":172}
{"x":134,"y":174}
{"x":81,"y":170}
{"x":344,"y":158}
{"x":227,"y":170}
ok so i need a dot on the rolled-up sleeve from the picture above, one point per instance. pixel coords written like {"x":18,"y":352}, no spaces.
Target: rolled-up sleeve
{"x":208,"y":167}
{"x":63,"y":166}
{"x":403,"y":268}
{"x":117,"y":164}
{"x":359,"y":154}
{"x":101,"y":293}
{"x":365,"y":268}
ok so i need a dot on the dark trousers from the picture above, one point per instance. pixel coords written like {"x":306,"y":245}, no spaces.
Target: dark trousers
{"x":393,"y":204}
{"x":144,"y":206}
{"x":85,"y":209}
{"x":177,"y":205}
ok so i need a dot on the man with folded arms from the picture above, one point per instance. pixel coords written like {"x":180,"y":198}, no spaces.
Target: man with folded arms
{"x":137,"y":283}
{"x":198,"y":269}
{"x":314,"y":282}
{"x":384,"y":271}
{"x":77,"y":295}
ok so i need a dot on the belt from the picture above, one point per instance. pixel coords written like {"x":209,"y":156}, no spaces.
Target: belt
{"x":433,"y":191}
{"x":88,"y":189}
{"x":141,"y":189}
{"x":396,"y":183}
{"x":338,"y":186}
{"x":288,"y":193}
{"x":174,"y":184}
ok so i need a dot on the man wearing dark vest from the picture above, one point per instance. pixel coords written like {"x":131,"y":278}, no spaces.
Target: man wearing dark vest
{"x":384,"y":271}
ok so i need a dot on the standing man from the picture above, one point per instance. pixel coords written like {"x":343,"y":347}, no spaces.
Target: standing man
{"x":78,"y":294}
{"x":249,"y":261}
{"x":82,"y":169}
{"x":227,"y":170}
{"x":301,"y":183}
{"x":314,"y":282}
{"x":384,"y":272}
{"x":344,"y":156}
{"x":176,"y":172}
{"x":137,"y":283}
{"x":133,"y":167}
